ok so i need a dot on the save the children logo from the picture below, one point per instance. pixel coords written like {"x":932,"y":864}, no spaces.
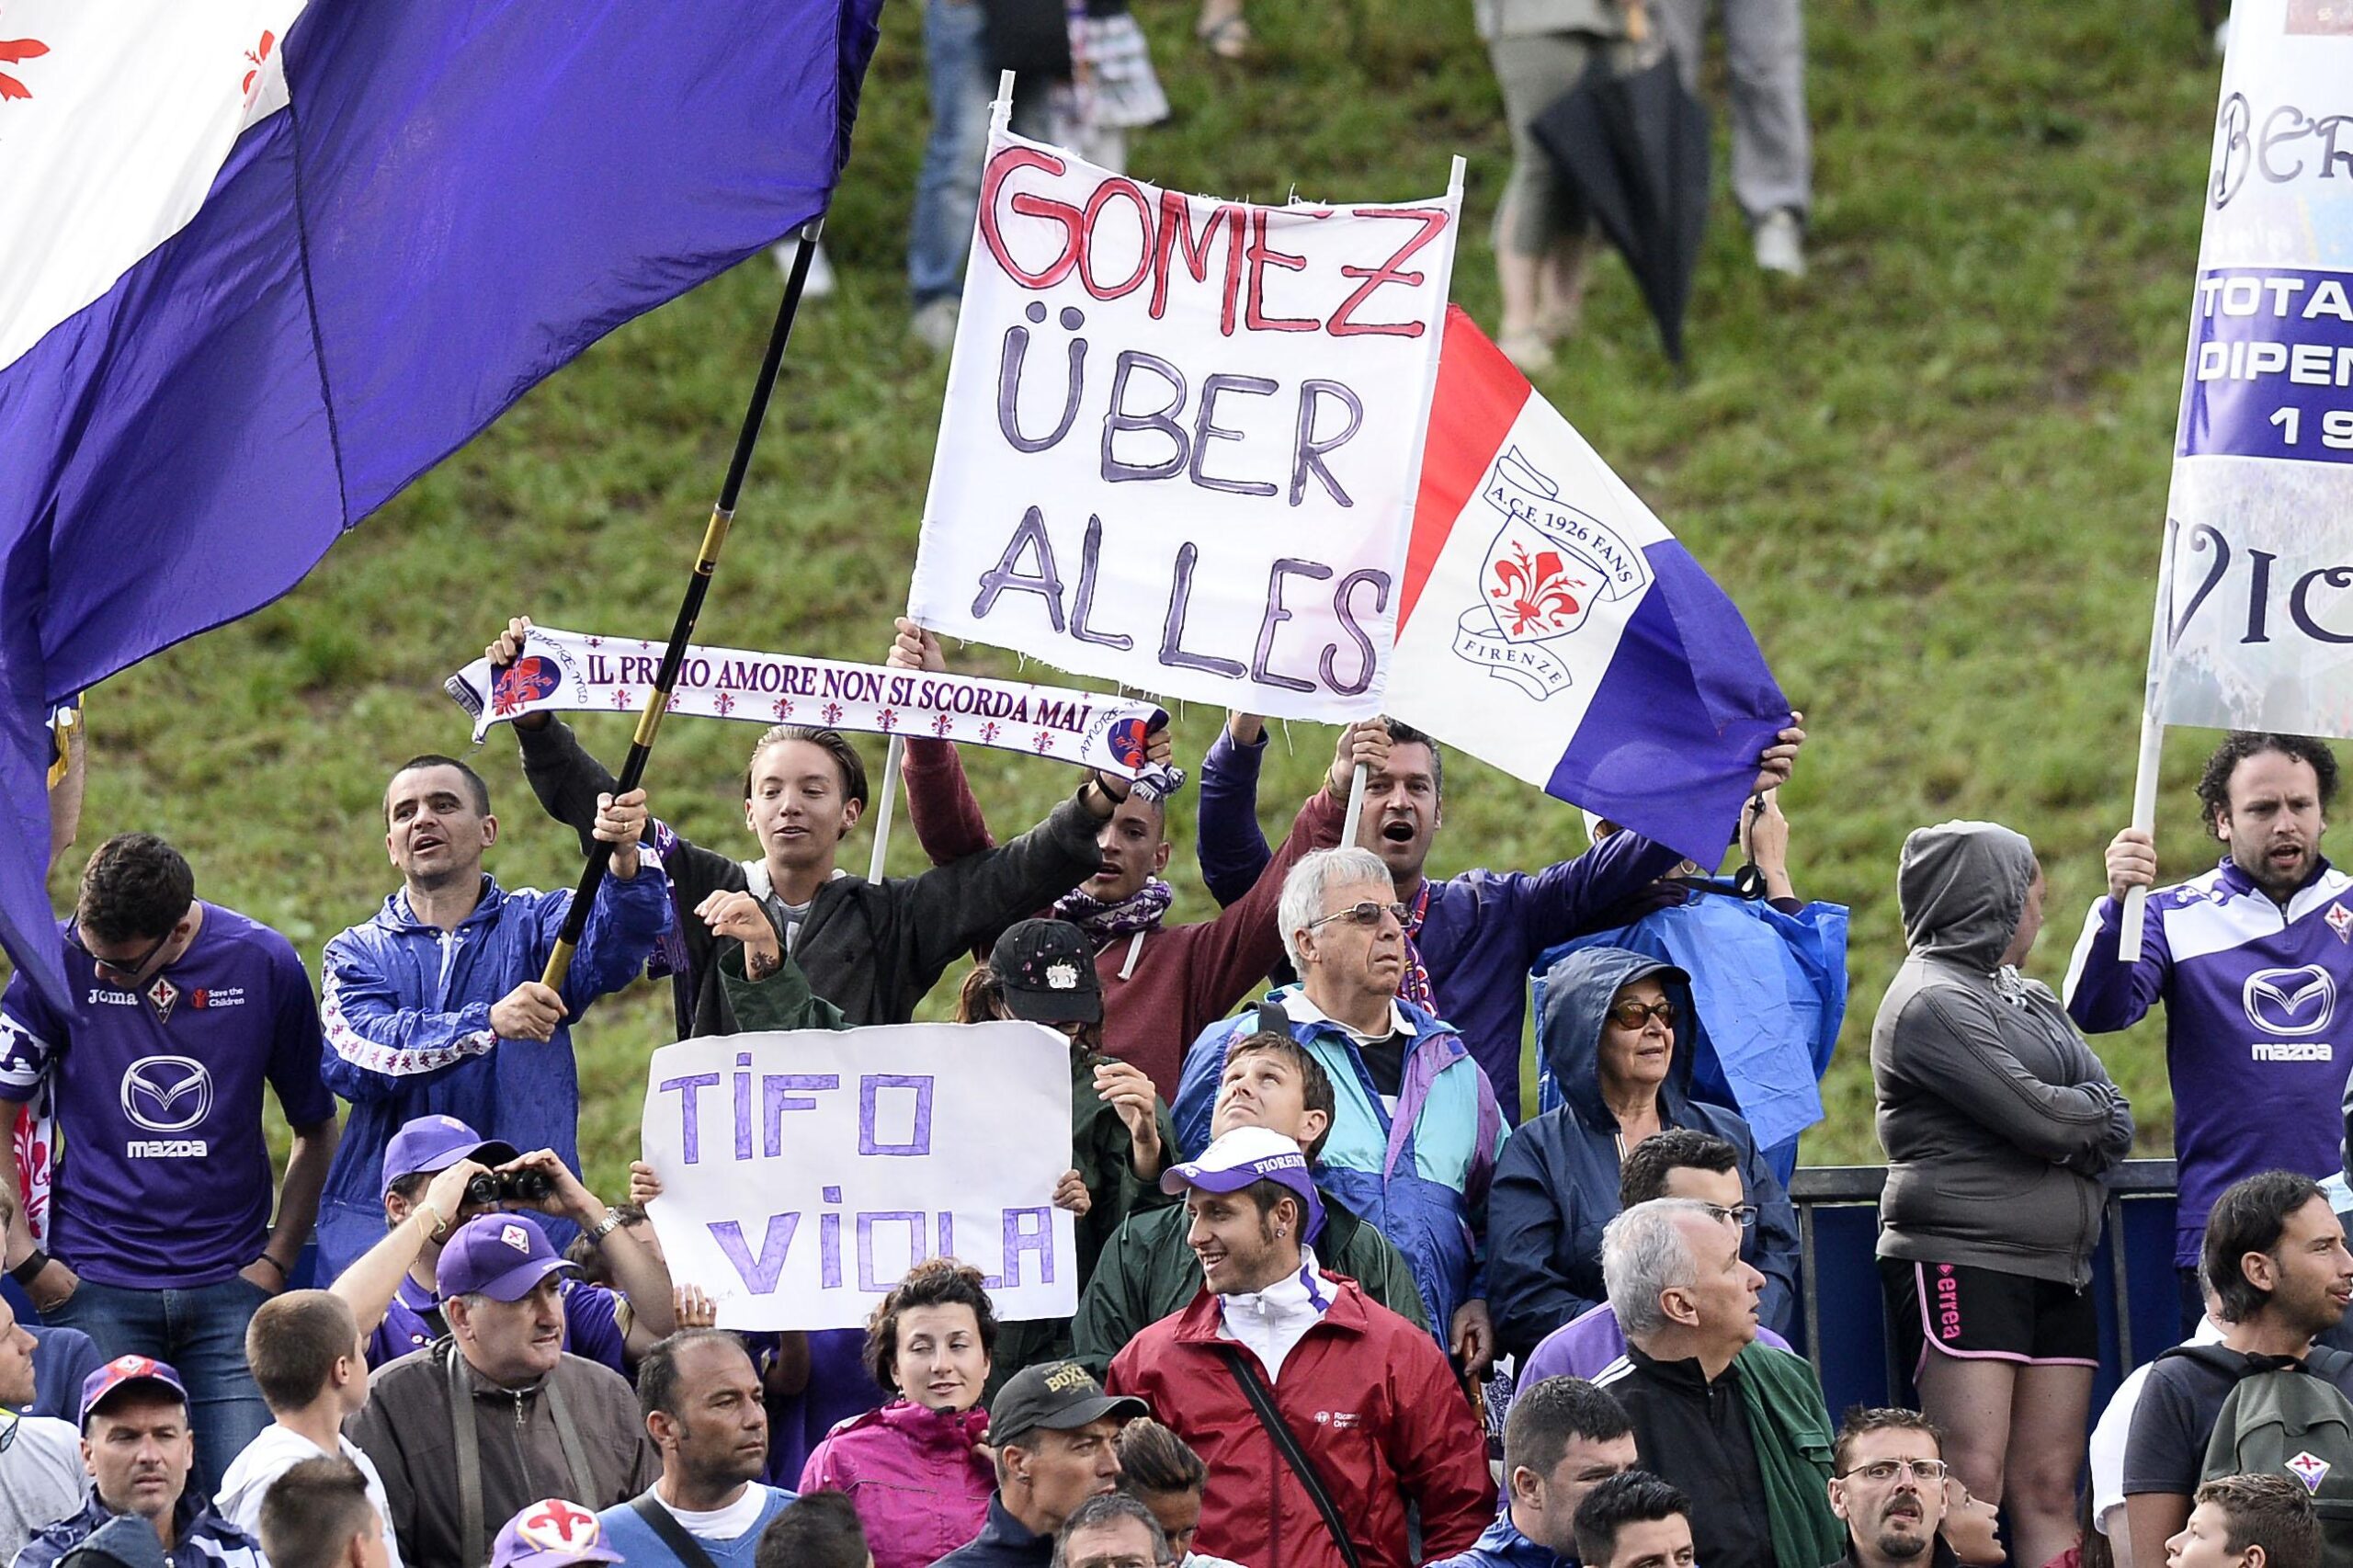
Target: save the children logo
{"x":1547,"y":567}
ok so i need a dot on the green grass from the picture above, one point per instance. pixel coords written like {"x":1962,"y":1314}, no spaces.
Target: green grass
{"x":1932,"y":475}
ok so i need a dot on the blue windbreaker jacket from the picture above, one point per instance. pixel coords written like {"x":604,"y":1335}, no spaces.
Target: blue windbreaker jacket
{"x":1556,"y":1183}
{"x":407,"y":1020}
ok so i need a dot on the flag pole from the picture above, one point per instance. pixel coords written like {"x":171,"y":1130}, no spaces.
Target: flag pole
{"x":1455,"y":172}
{"x":2152,"y":740}
{"x":714,"y":539}
{"x":893,"y":756}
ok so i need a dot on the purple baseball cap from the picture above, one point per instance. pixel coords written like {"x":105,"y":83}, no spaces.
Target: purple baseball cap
{"x":1250,"y":1155}
{"x":437,"y":1142}
{"x":551,"y":1533}
{"x":122,"y":1373}
{"x":503,"y":1257}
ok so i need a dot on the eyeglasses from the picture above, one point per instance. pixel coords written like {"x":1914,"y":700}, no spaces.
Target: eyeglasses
{"x":127,"y":975}
{"x":1120,"y":1563}
{"x":1367,"y":912}
{"x":1881,"y":1471}
{"x":1741,"y":1214}
{"x":1634,"y":1015}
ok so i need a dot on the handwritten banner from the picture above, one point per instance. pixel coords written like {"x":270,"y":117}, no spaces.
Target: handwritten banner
{"x":2258,"y":619}
{"x":803,"y":1174}
{"x":1181,"y":435}
{"x":567,"y":671}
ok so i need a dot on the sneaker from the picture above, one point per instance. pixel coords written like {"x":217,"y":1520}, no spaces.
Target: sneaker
{"x":1529,"y":350}
{"x":1780,"y":244}
{"x":935,"y":323}
{"x":821,"y":271}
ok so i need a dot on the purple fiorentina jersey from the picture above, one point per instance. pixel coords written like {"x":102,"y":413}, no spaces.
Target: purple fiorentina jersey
{"x":591,"y":1324}
{"x":2255,"y":1043}
{"x":163,"y":1177}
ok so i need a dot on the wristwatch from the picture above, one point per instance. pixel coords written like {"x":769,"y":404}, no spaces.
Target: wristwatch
{"x":604,"y":1227}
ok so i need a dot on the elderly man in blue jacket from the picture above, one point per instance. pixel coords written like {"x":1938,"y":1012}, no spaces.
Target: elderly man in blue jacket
{"x":1613,"y":1033}
{"x":435,"y":1007}
{"x":1414,"y":1124}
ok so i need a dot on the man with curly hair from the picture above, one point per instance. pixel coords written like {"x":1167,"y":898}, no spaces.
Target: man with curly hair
{"x":2253,"y":961}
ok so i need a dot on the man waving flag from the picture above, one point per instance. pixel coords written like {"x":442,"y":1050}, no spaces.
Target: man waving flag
{"x":264,"y":263}
{"x":1550,"y":625}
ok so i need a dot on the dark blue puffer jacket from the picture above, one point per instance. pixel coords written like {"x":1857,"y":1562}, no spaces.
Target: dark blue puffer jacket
{"x":1556,"y":1182}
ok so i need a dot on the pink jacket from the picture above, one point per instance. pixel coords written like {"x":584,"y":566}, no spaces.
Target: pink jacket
{"x":920,"y":1489}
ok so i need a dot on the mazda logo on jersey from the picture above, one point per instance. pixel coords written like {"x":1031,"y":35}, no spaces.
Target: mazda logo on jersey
{"x":2291,"y":1000}
{"x":168,"y":1094}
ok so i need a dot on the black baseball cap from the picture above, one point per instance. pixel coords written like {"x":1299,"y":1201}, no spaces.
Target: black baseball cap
{"x":1061,"y":1396}
{"x":1046,"y":968}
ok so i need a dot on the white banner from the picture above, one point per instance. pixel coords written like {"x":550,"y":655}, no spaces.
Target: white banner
{"x":2258,"y":617}
{"x":803,"y":1174}
{"x":1181,"y":435}
{"x":569,"y":672}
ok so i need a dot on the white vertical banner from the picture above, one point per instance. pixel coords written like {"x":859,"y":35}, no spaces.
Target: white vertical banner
{"x":804,"y":1173}
{"x":2256,"y":618}
{"x":1181,"y":435}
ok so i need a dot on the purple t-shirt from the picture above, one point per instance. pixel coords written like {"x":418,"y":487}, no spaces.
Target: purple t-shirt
{"x":592,"y":1324}
{"x":1590,"y":1341}
{"x":162,"y":1177}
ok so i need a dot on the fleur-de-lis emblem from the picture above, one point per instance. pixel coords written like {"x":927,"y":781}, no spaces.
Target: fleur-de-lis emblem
{"x":259,"y":55}
{"x":725,"y":702}
{"x":1044,"y":743}
{"x":784,"y":708}
{"x":12,"y":50}
{"x":621,"y":697}
{"x":989,"y":732}
{"x":1535,"y":593}
{"x":832,"y":712}
{"x":941,"y":724}
{"x":887,"y":720}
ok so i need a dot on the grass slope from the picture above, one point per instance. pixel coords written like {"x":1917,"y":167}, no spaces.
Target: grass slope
{"x":1932,"y":475}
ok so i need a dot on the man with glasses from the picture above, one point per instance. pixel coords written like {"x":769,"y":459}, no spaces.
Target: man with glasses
{"x":1415,"y":1126}
{"x":1888,"y":1483}
{"x":159,"y":1238}
{"x":1678,"y":1162}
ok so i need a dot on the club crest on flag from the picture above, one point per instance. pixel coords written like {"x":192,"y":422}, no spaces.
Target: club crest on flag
{"x":1549,"y":564}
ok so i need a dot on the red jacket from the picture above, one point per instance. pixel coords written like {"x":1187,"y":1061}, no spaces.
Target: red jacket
{"x":1163,"y":987}
{"x":1370,"y":1398}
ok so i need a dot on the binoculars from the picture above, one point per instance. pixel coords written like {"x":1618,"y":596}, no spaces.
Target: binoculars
{"x":504,"y":1186}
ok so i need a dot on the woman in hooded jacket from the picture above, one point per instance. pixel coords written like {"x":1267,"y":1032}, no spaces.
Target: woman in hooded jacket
{"x":915,"y":1469}
{"x":1998,"y":1122}
{"x":1609,"y":1035}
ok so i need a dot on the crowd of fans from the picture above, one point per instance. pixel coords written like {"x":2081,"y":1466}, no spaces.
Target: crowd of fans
{"x":1318,"y":1244}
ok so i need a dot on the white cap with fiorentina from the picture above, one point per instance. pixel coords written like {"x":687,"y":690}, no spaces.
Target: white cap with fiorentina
{"x":1246,"y":1155}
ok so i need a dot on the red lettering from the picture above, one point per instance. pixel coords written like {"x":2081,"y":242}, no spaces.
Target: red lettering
{"x":1176,"y":240}
{"x":1002,"y":168}
{"x":1260,"y":260}
{"x":1103,"y":193}
{"x":1432,"y":222}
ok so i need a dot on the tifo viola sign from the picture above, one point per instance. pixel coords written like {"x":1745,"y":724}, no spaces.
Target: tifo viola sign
{"x":804,"y":1173}
{"x":1181,"y":435}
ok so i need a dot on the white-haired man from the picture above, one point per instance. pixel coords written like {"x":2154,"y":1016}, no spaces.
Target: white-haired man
{"x":1414,"y":1124}
{"x":1739,"y":1426}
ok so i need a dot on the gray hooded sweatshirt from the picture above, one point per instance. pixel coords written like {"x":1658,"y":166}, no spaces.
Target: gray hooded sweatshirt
{"x":1997,"y":1118}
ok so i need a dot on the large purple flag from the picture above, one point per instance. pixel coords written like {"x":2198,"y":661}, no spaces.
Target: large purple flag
{"x":262,"y":264}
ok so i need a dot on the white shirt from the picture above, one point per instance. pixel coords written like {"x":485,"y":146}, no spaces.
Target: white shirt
{"x":2115,"y":1429}
{"x":42,"y":1478}
{"x":1271,"y":1321}
{"x":271,"y":1455}
{"x":720,"y":1524}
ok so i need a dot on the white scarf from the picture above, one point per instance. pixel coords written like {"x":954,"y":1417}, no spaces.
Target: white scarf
{"x":1271,"y":1322}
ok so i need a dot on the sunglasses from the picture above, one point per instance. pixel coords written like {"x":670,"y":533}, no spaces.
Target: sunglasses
{"x":1367,"y":912}
{"x":126,"y":974}
{"x":1635,"y":1014}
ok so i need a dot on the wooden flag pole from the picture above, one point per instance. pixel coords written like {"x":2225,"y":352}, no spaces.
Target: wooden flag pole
{"x":1000,"y":118}
{"x":2152,"y":740}
{"x":714,"y":539}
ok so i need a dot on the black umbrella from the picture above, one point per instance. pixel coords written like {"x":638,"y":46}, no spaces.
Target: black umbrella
{"x":1634,"y":148}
